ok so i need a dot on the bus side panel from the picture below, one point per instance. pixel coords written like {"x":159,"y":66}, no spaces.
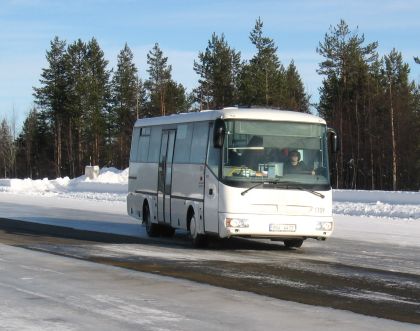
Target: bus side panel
{"x":179,"y":213}
{"x":147,"y":177}
{"x":187,"y":187}
{"x":211,"y":203}
{"x":133,"y":199}
{"x":142,"y":185}
{"x":133,"y":180}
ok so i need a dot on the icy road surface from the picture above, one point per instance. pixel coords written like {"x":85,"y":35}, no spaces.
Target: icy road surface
{"x":46,"y":292}
{"x":371,"y":265}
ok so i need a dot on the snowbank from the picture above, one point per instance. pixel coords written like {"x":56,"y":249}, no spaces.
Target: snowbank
{"x":111,"y":185}
{"x":382,"y":204}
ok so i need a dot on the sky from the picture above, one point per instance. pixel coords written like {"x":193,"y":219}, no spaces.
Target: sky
{"x":182,"y":28}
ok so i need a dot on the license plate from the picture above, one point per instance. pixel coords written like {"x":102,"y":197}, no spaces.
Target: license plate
{"x":282,"y":227}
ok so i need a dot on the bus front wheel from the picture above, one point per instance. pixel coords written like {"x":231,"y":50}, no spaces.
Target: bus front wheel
{"x":293,"y":243}
{"x":198,"y":240}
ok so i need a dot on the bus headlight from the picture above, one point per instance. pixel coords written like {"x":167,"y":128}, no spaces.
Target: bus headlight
{"x":324,"y":226}
{"x":236,"y":223}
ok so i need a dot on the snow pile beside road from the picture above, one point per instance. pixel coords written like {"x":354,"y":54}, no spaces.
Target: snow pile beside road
{"x":382,"y":204}
{"x":111,"y":185}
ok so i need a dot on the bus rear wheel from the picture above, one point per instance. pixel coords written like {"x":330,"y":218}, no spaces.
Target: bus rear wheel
{"x":198,"y":240}
{"x":293,"y":243}
{"x":152,"y":229}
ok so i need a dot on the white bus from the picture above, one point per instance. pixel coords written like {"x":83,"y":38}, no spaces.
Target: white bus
{"x":233,"y":173}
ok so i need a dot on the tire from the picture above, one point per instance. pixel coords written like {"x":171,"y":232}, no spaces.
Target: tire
{"x":293,"y":243}
{"x":198,"y":240}
{"x":152,"y":229}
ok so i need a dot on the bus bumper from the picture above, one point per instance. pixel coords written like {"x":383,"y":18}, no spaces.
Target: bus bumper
{"x":275,"y":226}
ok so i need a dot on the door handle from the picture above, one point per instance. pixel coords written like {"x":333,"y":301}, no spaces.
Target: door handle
{"x":210,"y":191}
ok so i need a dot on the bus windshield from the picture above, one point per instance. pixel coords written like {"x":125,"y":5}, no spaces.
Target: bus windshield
{"x":283,"y":152}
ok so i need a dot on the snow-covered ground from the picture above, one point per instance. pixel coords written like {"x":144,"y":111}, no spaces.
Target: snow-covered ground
{"x":372,"y":216}
{"x":111,"y":185}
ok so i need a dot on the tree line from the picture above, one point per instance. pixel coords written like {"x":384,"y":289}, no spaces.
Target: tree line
{"x":375,"y":108}
{"x":84,"y":111}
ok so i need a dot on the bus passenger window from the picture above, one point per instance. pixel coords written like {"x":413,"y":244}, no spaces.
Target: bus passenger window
{"x":154,"y":146}
{"x":134,"y":145}
{"x":199,"y":142}
{"x":143,"y":149}
{"x":183,"y":143}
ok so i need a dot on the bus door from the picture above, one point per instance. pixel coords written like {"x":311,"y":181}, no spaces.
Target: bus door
{"x":211,"y":189}
{"x":165,"y":175}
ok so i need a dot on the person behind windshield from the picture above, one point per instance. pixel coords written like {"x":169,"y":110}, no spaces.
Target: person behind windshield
{"x":294,"y":165}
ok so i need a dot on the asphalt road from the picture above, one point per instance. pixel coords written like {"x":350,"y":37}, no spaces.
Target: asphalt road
{"x":381,"y":280}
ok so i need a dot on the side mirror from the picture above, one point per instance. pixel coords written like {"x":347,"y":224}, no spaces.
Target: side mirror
{"x":333,"y":140}
{"x":219,"y":133}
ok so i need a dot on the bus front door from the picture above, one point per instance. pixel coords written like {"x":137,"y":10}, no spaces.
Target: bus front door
{"x":165,"y":176}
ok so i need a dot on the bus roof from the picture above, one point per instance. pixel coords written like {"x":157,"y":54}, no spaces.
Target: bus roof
{"x":232,"y":113}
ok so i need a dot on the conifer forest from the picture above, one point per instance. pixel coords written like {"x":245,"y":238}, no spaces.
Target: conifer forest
{"x":84,"y":111}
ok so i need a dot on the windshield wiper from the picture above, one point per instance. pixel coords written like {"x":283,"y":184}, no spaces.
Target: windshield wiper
{"x":287,"y":185}
{"x":258,"y":184}
{"x":311,"y":191}
{"x":292,"y":185}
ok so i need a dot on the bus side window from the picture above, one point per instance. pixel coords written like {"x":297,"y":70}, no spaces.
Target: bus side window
{"x":143,"y":145}
{"x":199,"y":142}
{"x":183,"y":143}
{"x":134,"y":144}
{"x":154,"y":147}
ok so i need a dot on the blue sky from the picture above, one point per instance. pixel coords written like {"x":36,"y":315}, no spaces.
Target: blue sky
{"x":182,"y":29}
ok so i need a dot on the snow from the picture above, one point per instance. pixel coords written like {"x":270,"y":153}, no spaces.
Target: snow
{"x":370,"y":216}
{"x":111,"y":185}
{"x":380,"y":204}
{"x":374,"y":216}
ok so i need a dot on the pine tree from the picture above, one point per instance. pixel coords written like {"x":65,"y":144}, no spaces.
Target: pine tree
{"x":28,"y":142}
{"x":177,"y":99}
{"x":159,"y":79}
{"x":7,"y":150}
{"x":296,"y":99}
{"x":345,"y":66}
{"x":52,"y":95}
{"x":76,"y":108}
{"x":122,"y":114}
{"x":399,"y":96}
{"x":98,"y":98}
{"x":218,"y":68}
{"x":263,"y":79}
{"x":35,"y":153}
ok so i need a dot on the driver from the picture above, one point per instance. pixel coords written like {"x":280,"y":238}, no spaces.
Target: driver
{"x":294,"y":165}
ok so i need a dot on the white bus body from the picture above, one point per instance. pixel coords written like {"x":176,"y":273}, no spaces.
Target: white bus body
{"x":226,"y":173}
